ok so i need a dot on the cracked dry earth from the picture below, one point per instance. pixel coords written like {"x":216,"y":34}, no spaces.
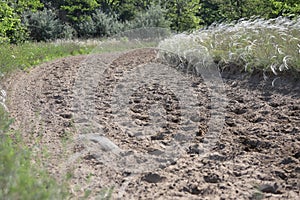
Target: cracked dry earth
{"x":73,"y":109}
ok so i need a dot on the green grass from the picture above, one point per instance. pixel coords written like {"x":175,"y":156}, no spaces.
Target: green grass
{"x":19,"y":177}
{"x":269,"y":45}
{"x":30,"y":54}
{"x":26,"y":55}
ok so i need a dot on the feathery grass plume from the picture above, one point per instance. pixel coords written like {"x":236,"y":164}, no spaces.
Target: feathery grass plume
{"x":270,"y":45}
{"x":2,"y":99}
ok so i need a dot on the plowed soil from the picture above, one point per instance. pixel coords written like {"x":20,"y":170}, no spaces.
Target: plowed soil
{"x":73,"y":113}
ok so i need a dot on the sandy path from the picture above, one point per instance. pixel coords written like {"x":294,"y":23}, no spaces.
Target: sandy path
{"x":146,"y":141}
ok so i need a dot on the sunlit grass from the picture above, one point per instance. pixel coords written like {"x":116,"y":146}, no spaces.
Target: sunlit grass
{"x":26,"y":55}
{"x":269,"y":45}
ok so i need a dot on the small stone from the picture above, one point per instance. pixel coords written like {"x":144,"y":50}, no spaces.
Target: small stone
{"x":239,"y":111}
{"x":267,"y":188}
{"x":212,"y":178}
{"x":297,"y":155}
{"x":280,"y":174}
{"x":66,"y":115}
{"x":196,"y":118}
{"x":230,"y":122}
{"x":194,"y":149}
{"x":234,"y":84}
{"x":153,"y":178}
{"x":287,"y":161}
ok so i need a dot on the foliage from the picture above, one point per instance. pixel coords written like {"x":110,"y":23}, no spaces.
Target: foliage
{"x":11,"y":29}
{"x":99,"y":24}
{"x":21,"y":6}
{"x":153,"y":17}
{"x":271,"y":45}
{"x":82,"y":15}
{"x":126,"y":9}
{"x":78,"y":9}
{"x":182,"y":14}
{"x":286,"y":7}
{"x":43,"y":25}
{"x":106,"y":24}
{"x":229,"y":10}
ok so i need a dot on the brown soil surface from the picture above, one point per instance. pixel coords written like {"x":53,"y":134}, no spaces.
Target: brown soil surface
{"x":69,"y":108}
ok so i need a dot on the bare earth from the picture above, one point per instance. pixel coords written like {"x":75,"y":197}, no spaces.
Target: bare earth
{"x":256,"y":155}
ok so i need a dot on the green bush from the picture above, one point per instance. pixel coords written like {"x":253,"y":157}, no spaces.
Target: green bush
{"x":86,"y":28}
{"x":153,"y":17}
{"x":99,"y":24}
{"x":11,"y":29}
{"x":106,"y":24}
{"x":43,"y":25}
{"x":68,"y":32}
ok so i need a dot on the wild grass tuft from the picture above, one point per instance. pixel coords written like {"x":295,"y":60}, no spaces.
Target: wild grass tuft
{"x":269,"y":45}
{"x":20,"y":178}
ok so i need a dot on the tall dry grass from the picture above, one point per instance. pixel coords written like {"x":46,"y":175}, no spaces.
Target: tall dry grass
{"x":269,"y":45}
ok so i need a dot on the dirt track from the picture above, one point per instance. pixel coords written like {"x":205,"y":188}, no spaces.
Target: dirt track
{"x":257,"y":153}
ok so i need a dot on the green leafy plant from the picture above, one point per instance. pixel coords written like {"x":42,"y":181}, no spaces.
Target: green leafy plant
{"x":99,"y":24}
{"x":43,"y":25}
{"x":153,"y":17}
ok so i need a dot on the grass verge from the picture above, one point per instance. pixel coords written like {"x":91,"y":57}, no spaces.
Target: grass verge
{"x":19,"y":177}
{"x":26,"y":55}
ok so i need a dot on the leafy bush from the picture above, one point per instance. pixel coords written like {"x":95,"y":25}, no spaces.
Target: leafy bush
{"x":153,"y":17}
{"x":43,"y":25}
{"x":99,"y":24}
{"x":68,"y":32}
{"x":86,"y":28}
{"x":11,"y":29}
{"x":106,"y":24}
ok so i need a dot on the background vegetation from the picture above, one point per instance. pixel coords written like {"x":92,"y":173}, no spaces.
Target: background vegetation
{"x":42,"y":20}
{"x":223,"y":31}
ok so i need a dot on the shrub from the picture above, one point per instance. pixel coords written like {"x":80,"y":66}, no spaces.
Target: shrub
{"x":68,"y":32}
{"x":43,"y":25}
{"x":11,"y":29}
{"x":86,"y":28}
{"x":99,"y":24}
{"x":106,"y":24}
{"x":153,"y":17}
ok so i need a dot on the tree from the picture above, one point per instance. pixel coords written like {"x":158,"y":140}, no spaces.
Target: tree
{"x":183,"y":14}
{"x":209,"y":12}
{"x":11,"y":28}
{"x":78,"y":10}
{"x":229,"y":10}
{"x":286,"y":7}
